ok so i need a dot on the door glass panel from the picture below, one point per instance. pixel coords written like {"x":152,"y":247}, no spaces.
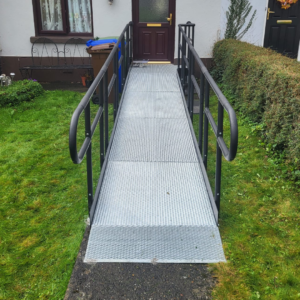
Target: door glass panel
{"x":154,"y":10}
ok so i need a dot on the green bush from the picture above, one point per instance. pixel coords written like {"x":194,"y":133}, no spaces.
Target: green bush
{"x":19,"y":91}
{"x":266,"y":86}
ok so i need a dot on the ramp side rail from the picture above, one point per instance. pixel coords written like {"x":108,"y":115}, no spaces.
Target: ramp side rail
{"x":101,"y":89}
{"x":187,"y":58}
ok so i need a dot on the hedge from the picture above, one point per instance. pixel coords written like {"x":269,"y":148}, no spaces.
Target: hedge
{"x":266,"y":86}
{"x":19,"y":91}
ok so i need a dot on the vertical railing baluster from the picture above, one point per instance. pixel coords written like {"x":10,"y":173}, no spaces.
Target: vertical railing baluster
{"x":193,"y":34}
{"x":123,"y":62}
{"x":127,"y":52}
{"x":205,"y":142}
{"x":219,"y":157}
{"x":190,"y":85}
{"x":105,"y":87}
{"x":101,"y":124}
{"x":179,"y":51}
{"x":131,"y":44}
{"x":188,"y":52}
{"x":202,"y":78}
{"x":89,"y":165}
{"x":183,"y":64}
{"x":116,"y":85}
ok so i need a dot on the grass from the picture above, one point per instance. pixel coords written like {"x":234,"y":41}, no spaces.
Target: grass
{"x":43,"y":196}
{"x":259,"y":222}
{"x":44,"y":205}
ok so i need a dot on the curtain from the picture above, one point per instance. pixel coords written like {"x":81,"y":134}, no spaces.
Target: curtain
{"x":51,"y":14}
{"x":80,"y":16}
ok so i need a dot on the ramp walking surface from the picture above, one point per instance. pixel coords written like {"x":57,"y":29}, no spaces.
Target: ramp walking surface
{"x":136,"y":281}
{"x":153,"y":205}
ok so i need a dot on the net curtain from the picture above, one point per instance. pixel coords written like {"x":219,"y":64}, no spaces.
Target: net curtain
{"x":51,"y":15}
{"x":79,"y":15}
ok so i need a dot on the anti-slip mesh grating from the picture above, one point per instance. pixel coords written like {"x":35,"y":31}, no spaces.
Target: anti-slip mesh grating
{"x":159,"y":244}
{"x":166,"y":105}
{"x":153,"y":140}
{"x":162,"y":69}
{"x":152,"y":82}
{"x":153,"y":194}
{"x":153,"y":205}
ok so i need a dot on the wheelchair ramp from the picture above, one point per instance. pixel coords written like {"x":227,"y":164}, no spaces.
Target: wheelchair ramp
{"x":153,"y":205}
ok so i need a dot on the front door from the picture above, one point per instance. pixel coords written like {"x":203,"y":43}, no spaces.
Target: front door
{"x":283,"y":28}
{"x":153,"y":30}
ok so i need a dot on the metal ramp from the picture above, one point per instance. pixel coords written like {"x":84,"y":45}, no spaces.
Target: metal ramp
{"x":153,"y":204}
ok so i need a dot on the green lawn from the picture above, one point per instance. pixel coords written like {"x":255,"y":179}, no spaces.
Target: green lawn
{"x":259,"y":222}
{"x":43,"y":196}
{"x":44,"y":205}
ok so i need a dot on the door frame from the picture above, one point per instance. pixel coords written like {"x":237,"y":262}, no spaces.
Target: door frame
{"x":171,"y":42}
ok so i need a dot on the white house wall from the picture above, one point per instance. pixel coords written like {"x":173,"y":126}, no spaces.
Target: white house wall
{"x":110,"y":20}
{"x":256,"y":33}
{"x":206,"y":15}
{"x":16,"y":27}
{"x":17,"y":23}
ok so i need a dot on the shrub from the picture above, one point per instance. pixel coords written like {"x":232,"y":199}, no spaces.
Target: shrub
{"x":19,"y":91}
{"x":266,"y":86}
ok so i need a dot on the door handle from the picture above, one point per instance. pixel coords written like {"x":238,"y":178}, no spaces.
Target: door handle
{"x":170,"y":19}
{"x":270,"y":12}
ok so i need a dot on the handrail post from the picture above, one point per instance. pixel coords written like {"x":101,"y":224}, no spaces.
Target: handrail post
{"x":131,"y":44}
{"x":191,"y":85}
{"x":183,"y":64}
{"x":116,"y":85}
{"x":205,"y":142}
{"x":89,"y":166}
{"x":219,"y":156}
{"x":101,"y":124}
{"x":127,"y":52}
{"x":193,"y":34}
{"x":105,"y":87}
{"x":179,"y":42}
{"x":201,"y":112}
{"x":123,"y":62}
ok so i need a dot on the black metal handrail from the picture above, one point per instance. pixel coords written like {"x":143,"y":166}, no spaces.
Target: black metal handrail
{"x":187,"y":57}
{"x":100,"y":89}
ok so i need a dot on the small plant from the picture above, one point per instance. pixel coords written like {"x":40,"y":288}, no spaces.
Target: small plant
{"x":236,"y":16}
{"x":88,"y":76}
{"x":23,"y":90}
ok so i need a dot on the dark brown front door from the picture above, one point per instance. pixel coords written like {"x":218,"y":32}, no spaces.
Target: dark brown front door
{"x":283,"y":28}
{"x":154,"y":35}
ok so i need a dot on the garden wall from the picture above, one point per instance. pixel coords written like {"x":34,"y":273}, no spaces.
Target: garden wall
{"x":266,"y":86}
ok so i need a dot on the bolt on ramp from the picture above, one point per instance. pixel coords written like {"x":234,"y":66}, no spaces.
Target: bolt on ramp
{"x":154,"y":205}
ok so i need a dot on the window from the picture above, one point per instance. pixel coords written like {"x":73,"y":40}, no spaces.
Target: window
{"x":63,"y":17}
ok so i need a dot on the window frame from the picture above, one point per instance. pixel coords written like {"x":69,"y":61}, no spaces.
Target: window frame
{"x":65,"y":17}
